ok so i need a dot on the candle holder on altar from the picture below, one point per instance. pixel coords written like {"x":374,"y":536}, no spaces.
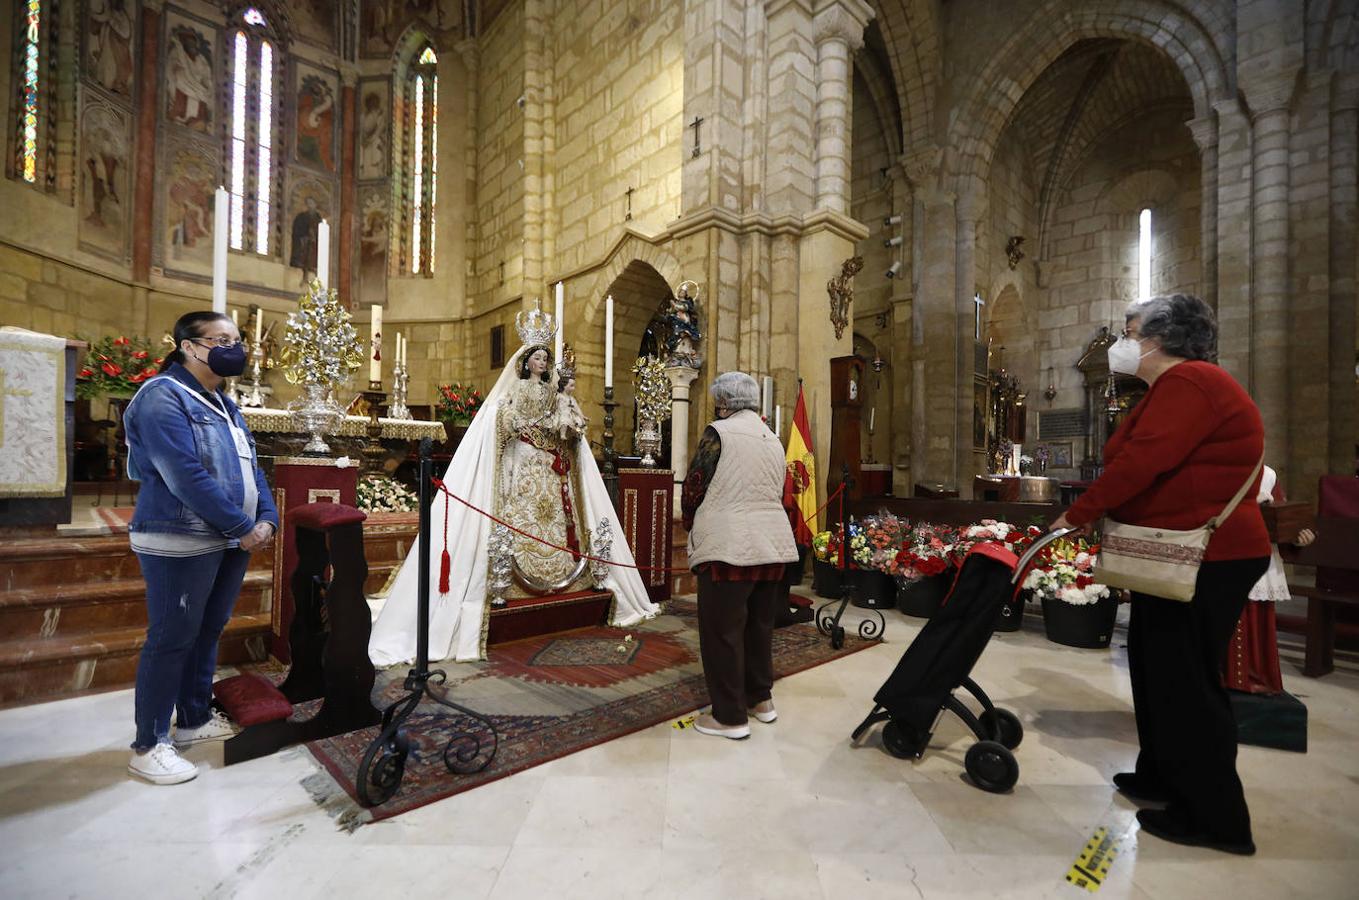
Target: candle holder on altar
{"x":609,"y":470}
{"x":400,"y":382}
{"x":374,"y":454}
{"x":255,"y":392}
{"x":232,"y":390}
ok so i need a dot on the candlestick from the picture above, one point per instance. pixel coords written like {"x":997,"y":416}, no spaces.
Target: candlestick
{"x":766,"y":396}
{"x":872,"y":414}
{"x":778,"y":422}
{"x":374,"y":454}
{"x":400,"y":380}
{"x":561,"y":325}
{"x":609,"y":470}
{"x":259,"y":324}
{"x":608,"y":344}
{"x":323,"y":253}
{"x":234,"y":320}
{"x":375,"y":347}
{"x":220,"y":226}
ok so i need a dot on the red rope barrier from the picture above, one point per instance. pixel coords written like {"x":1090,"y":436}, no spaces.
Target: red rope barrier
{"x":575,"y":554}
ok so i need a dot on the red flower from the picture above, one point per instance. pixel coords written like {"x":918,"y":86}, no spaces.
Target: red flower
{"x":140,"y":354}
{"x":112,"y":369}
{"x":158,"y":360}
{"x":121,"y":342}
{"x":85,"y":373}
{"x":1084,"y":581}
{"x":148,"y":371}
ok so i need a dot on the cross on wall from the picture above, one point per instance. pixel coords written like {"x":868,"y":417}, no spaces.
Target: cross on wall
{"x":698,"y":121}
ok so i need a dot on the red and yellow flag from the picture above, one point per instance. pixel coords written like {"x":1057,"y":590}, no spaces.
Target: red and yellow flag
{"x":799,"y":480}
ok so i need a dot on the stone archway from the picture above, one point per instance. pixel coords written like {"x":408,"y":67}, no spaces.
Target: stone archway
{"x":638,"y":291}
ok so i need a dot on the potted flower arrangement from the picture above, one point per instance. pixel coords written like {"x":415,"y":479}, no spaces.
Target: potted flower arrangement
{"x":1077,"y":610}
{"x":116,"y":367}
{"x":826,"y":563}
{"x":457,"y":405}
{"x":874,"y":545}
{"x":927,"y":569}
{"x":382,"y":493}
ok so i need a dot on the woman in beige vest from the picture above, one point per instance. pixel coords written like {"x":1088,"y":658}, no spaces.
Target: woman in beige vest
{"x":739,"y":540}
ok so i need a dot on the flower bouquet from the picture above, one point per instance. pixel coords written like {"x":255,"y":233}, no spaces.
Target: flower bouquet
{"x":874,"y":547}
{"x":116,"y":367}
{"x":381,"y":493}
{"x":458,"y":403}
{"x":826,"y":549}
{"x":926,"y":568}
{"x":1077,"y":610}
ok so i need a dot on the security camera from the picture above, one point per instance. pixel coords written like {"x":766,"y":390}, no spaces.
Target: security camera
{"x":892,"y":241}
{"x":895,"y":270}
{"x":891,"y":220}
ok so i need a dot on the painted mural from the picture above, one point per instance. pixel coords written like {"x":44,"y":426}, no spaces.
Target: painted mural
{"x":189,"y":181}
{"x":382,"y":22}
{"x":373,"y":240}
{"x":105,"y":195}
{"x":375,"y":124}
{"x":309,"y":202}
{"x":190,"y":84}
{"x":316,"y":118}
{"x":313,"y":21}
{"x":109,"y":32}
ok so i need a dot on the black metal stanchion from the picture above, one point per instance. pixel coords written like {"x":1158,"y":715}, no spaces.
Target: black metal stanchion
{"x":384,"y":763}
{"x":828,"y":619}
{"x":609,"y":469}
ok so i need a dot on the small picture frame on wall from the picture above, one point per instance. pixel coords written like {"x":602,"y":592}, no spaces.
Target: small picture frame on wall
{"x":1060,"y":454}
{"x":498,"y":347}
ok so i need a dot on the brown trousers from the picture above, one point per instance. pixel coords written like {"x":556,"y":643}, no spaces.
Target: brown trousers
{"x":735,"y":640}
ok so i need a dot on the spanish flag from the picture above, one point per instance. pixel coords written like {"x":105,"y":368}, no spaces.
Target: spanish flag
{"x":799,"y":480}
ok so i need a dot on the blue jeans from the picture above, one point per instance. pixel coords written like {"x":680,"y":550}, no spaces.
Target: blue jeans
{"x":188,"y":602}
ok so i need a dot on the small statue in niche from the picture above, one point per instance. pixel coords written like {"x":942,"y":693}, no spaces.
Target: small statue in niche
{"x":841,"y":291}
{"x":683,"y":335}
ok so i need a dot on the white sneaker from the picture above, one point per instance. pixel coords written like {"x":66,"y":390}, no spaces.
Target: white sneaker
{"x":763,"y":712}
{"x":706,"y":724}
{"x":162,"y":764}
{"x":217,"y":728}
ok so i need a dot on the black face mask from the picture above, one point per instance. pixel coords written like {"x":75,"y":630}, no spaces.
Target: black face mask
{"x":227,"y":362}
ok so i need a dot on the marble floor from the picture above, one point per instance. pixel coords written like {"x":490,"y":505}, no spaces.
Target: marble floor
{"x":794,"y":812}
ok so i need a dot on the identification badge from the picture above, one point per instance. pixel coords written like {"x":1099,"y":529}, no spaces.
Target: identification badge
{"x":242,"y":443}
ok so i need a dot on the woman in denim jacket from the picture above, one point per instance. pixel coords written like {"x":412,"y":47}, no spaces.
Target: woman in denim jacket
{"x":202,"y":508}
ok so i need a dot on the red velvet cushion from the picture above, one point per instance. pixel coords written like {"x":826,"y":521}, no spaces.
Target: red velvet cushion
{"x":250,"y":699}
{"x":323,"y":516}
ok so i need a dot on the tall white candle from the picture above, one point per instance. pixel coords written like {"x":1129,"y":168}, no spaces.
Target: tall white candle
{"x":766,"y":397}
{"x":375,"y":346}
{"x":234,"y":320}
{"x":561,"y":323}
{"x":872,"y":414}
{"x":259,"y":324}
{"x":778,"y":422}
{"x":323,"y":253}
{"x":220,"y":226}
{"x":608,"y":341}
{"x":400,"y":350}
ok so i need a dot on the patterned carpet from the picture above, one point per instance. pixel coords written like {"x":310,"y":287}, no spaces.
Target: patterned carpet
{"x":548,"y":697}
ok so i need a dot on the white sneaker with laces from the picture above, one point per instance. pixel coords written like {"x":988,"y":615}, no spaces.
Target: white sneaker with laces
{"x":162,"y":764}
{"x":217,"y":728}
{"x":763,"y":712}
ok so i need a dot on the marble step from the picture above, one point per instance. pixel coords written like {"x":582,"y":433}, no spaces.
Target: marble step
{"x":40,"y":613}
{"x":39,"y":562}
{"x":35,"y":670}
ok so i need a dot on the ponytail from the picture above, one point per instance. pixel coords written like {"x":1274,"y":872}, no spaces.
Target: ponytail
{"x":188,"y":327}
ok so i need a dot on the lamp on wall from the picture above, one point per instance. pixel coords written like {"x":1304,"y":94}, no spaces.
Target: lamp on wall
{"x":1051,"y":392}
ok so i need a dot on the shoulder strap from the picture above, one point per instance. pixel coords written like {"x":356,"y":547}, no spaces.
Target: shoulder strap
{"x":1240,"y":495}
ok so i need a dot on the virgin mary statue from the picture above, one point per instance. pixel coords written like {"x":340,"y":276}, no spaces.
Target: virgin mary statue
{"x":525,"y":459}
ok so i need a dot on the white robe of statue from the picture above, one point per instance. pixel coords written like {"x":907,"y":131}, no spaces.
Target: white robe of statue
{"x":496,"y":471}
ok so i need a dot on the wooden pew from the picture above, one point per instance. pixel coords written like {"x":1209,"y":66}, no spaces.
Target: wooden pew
{"x":1335,"y":555}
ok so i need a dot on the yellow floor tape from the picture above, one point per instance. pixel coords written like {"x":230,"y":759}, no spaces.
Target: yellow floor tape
{"x":1092,"y":865}
{"x":681,"y":724}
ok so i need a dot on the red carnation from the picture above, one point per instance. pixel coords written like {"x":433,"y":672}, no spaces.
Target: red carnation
{"x":140,"y":354}
{"x":158,"y":360}
{"x":112,"y":369}
{"x":86,"y":373}
{"x":121,"y":342}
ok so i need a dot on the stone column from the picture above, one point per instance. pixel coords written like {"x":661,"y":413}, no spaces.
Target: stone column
{"x":1234,"y":288}
{"x":348,"y":131}
{"x":903,"y":403}
{"x":1343,"y":394}
{"x":1269,"y":261}
{"x":839,"y":28}
{"x":681,"y":379}
{"x":1204,"y":130}
{"x":536,"y":23}
{"x":144,"y":184}
{"x":968,"y":212}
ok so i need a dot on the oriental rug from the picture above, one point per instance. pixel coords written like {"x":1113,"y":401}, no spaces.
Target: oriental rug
{"x":547,"y":696}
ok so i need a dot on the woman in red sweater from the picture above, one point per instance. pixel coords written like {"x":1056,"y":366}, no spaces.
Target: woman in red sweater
{"x":1176,"y":462}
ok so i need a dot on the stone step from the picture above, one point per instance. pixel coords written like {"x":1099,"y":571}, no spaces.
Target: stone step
{"x":66,"y":611}
{"x":35,"y":670}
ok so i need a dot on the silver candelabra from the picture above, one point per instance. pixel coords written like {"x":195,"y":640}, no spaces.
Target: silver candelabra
{"x":255,"y":391}
{"x":400,"y":379}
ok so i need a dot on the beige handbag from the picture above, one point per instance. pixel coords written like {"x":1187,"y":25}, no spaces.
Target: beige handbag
{"x":1159,"y":561}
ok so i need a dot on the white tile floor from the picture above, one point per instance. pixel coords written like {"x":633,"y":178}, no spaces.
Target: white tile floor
{"x":794,"y":812}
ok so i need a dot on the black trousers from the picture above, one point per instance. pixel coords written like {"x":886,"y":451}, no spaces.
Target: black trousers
{"x":735,"y":641}
{"x":1185,"y":727}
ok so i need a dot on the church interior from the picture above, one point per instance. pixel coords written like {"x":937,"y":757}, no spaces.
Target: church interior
{"x":917,"y":224}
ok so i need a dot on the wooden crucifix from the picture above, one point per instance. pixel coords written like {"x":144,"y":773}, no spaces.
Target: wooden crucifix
{"x":698,"y":121}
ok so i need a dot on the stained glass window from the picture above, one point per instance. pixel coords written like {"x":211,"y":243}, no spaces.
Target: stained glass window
{"x":252,"y":136}
{"x":422,"y":144}
{"x":29,"y":102}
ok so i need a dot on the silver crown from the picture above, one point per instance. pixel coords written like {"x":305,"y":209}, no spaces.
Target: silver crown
{"x":567,"y":367}
{"x":536,"y":328}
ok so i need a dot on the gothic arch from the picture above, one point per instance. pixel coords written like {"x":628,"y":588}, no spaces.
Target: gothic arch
{"x":910,"y":30}
{"x":977,"y":122}
{"x":632,"y":248}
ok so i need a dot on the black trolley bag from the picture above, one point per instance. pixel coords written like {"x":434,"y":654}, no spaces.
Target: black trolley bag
{"x":939,"y":661}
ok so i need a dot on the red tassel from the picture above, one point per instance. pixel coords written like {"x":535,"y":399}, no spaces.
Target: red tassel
{"x":445,"y":561}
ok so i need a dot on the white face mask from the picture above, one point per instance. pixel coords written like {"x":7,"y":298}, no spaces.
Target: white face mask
{"x":1124,"y":358}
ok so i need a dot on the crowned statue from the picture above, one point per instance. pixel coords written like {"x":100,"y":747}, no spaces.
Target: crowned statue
{"x":526,"y":461}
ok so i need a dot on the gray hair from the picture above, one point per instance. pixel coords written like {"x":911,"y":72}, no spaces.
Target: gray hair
{"x":735,"y":391}
{"x":1183,"y":325}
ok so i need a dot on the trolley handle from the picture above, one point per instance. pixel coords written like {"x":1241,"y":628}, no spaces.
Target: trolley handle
{"x":1034,"y":549}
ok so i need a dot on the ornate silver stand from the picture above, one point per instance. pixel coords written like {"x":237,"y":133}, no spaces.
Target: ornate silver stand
{"x":255,"y":391}
{"x":400,"y":379}
{"x":318,"y":415}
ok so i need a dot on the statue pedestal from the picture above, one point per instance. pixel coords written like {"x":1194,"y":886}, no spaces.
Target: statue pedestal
{"x":644,"y":505}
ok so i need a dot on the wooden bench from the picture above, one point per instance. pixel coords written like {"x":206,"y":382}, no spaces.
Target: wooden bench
{"x":1335,"y":556}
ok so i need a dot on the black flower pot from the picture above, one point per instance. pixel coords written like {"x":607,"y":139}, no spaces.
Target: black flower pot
{"x":1011,"y":615}
{"x":826,"y":580}
{"x":873,"y":589}
{"x":792,"y":572}
{"x":1090,"y":626}
{"x":923,"y":597}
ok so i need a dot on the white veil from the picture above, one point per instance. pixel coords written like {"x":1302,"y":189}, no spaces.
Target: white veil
{"x":457,"y":619}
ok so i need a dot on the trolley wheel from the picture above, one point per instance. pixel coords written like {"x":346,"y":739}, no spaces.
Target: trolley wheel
{"x":991,"y":766}
{"x":903,"y":740}
{"x":838,"y":637}
{"x":1003,"y":726}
